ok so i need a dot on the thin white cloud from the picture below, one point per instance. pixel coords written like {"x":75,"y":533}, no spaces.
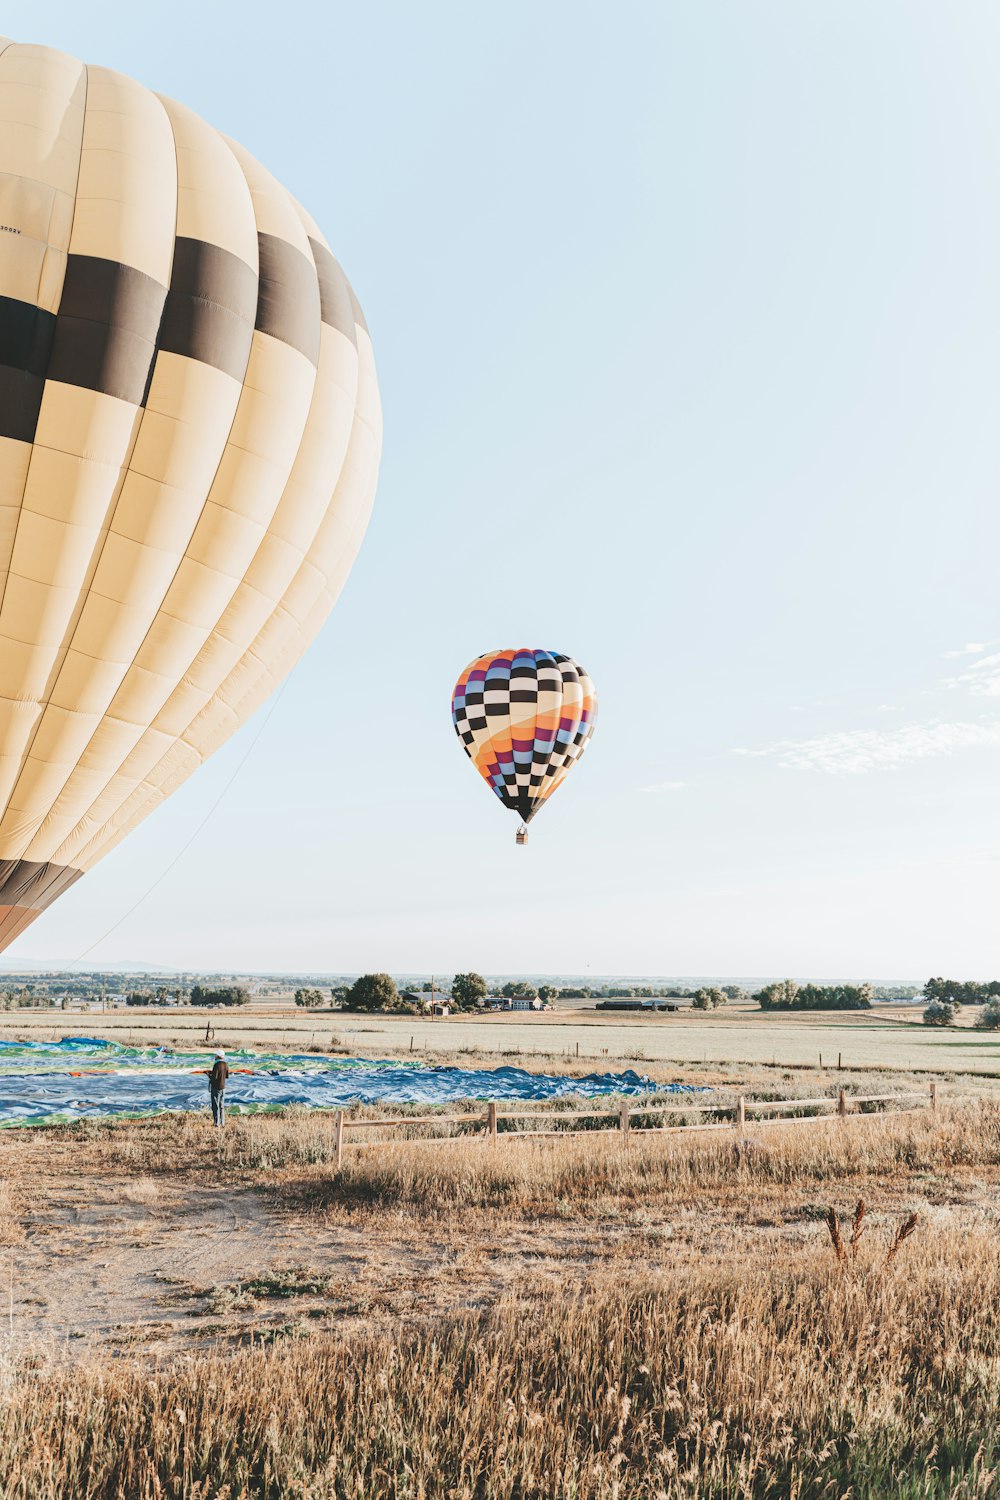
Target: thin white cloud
{"x":971,"y":648}
{"x":664,"y":786}
{"x":981,"y":678}
{"x":854,"y":752}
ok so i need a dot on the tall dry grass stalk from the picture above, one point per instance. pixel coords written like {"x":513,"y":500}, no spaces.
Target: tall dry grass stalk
{"x":753,"y":1380}
{"x":766,"y":1369}
{"x":292,"y":1154}
{"x":593,"y":1173}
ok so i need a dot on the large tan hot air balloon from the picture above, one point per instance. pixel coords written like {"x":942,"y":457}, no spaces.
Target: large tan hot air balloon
{"x":189,"y":443}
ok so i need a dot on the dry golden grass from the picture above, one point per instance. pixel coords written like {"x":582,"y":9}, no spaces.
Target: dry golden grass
{"x":11,"y":1228}
{"x":754,"y":1330}
{"x":875,"y":1376}
{"x":593,"y":1172}
{"x":293,"y":1153}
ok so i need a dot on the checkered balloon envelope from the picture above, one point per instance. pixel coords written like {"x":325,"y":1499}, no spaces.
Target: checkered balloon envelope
{"x":524,"y":717}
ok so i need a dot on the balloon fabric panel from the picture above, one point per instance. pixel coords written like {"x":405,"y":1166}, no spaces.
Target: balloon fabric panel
{"x":524,"y":717}
{"x":189,"y":442}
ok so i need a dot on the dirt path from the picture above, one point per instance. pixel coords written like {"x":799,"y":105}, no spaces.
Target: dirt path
{"x":142,"y":1239}
{"x":164,"y":1266}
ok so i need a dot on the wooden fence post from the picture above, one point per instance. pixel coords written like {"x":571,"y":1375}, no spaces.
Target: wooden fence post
{"x":741,"y":1114}
{"x":842,"y":1104}
{"x":491,"y":1121}
{"x":338,"y":1140}
{"x":933,"y":1098}
{"x":623,"y":1118}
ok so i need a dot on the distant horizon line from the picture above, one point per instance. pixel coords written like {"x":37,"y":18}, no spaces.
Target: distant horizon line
{"x":124,"y":968}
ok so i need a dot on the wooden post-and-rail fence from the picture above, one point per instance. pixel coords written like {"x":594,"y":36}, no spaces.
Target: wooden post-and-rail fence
{"x":631,"y":1118}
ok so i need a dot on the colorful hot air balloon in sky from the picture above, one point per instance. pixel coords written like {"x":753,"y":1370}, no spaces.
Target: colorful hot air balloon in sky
{"x":524,"y":717}
{"x":189,"y":441}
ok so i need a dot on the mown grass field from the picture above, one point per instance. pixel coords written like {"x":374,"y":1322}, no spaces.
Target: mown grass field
{"x":888,"y":1037}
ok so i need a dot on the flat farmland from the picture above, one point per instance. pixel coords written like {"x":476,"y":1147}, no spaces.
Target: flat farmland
{"x":885,"y":1038}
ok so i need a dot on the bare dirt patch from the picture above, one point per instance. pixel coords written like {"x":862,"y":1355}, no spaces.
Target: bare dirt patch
{"x":157,"y":1238}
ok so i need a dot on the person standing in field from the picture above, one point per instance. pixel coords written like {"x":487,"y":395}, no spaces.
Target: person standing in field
{"x":217,"y":1088}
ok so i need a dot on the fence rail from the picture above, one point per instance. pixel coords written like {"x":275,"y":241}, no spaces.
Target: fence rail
{"x":624,"y":1118}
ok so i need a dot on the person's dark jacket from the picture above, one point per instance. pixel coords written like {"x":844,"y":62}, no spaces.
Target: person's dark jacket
{"x":217,"y":1077}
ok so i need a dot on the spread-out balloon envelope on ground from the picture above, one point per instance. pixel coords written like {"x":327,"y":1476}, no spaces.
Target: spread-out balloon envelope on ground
{"x":524,"y":717}
{"x":189,"y":444}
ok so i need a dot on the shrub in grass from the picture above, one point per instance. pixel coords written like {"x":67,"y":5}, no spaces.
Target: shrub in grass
{"x":989,"y":1017}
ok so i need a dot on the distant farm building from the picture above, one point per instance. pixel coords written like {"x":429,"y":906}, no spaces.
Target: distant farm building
{"x":437,"y":1005}
{"x":635,"y":1003}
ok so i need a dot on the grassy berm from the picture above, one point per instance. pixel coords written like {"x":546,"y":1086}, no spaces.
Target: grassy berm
{"x":817,"y":1315}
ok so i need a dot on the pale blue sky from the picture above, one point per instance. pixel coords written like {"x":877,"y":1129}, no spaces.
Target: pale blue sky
{"x":687,"y":318}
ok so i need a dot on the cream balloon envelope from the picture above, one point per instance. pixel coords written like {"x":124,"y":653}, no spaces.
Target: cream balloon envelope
{"x":189,"y":443}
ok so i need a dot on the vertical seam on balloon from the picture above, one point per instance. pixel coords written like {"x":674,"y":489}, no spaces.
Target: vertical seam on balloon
{"x":561,"y":758}
{"x":305,"y":425}
{"x":547,"y":663}
{"x":567,"y":757}
{"x":179,"y":737}
{"x":154,"y":792}
{"x":69,"y":241}
{"x":97,"y":556}
{"x":225,"y":446}
{"x":27,"y":473}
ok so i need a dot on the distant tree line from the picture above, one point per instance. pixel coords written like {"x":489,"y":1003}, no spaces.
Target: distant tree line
{"x":944,"y":996}
{"x":234,"y":994}
{"x":629,"y":992}
{"x":785,"y":994}
{"x":961,"y":991}
{"x":160,"y":996}
{"x":22,"y":999}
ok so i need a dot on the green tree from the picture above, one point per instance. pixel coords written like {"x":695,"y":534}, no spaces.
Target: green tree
{"x":955,"y":991}
{"x":519,"y":987}
{"x":939,"y":1013}
{"x":466,"y":989}
{"x":989,"y":1017}
{"x":311,"y":998}
{"x":708,"y":998}
{"x":235,"y":994}
{"x":778,"y":996}
{"x":372,"y":992}
{"x":547,"y":992}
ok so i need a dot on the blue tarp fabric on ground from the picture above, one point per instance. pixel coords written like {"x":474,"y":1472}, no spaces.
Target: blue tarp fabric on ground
{"x":84,"y":1077}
